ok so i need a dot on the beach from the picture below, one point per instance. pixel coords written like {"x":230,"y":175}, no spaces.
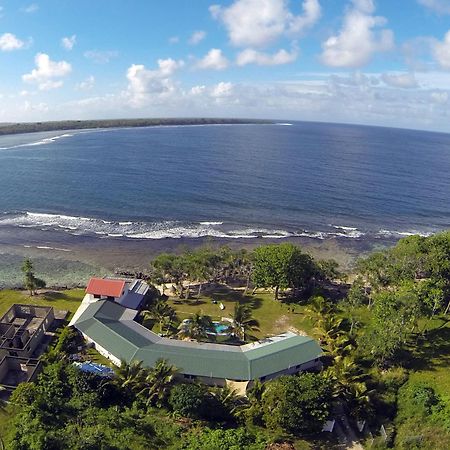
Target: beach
{"x":64,"y":260}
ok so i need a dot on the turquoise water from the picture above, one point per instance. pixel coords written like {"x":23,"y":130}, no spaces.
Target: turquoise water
{"x":220,"y":328}
{"x":308,"y":179}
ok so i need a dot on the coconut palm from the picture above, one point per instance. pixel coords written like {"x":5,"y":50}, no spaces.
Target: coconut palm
{"x":156,"y":386}
{"x":130,"y":375}
{"x":229,"y":398}
{"x":198,"y":327}
{"x":243,"y":321}
{"x":163,"y":313}
{"x":252,"y":409}
{"x":345,"y":374}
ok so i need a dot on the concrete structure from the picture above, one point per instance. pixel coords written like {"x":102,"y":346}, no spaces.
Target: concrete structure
{"x":115,"y":333}
{"x":22,"y":329}
{"x":14,"y":371}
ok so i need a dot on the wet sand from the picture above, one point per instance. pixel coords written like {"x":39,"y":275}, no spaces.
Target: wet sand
{"x":63,"y":259}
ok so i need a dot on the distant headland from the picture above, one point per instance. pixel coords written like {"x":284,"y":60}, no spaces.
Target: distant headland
{"x":33,"y":127}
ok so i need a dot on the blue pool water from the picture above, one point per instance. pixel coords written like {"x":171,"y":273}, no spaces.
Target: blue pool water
{"x":220,"y":328}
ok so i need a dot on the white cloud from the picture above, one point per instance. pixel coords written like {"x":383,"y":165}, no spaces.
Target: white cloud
{"x":32,"y":107}
{"x":69,"y":42}
{"x":438,"y":6}
{"x":357,"y":41}
{"x":46,"y":71}
{"x":345,"y":97}
{"x":30,"y":8}
{"x":258,"y":23}
{"x":222,"y":89}
{"x":196,"y":37}
{"x":440,"y":97}
{"x":86,"y":84}
{"x":250,"y":56}
{"x":101,"y":57}
{"x":197,"y":90}
{"x":441,"y":51}
{"x":400,"y":80}
{"x":174,"y":40}
{"x":146,"y":86}
{"x":9,"y":42}
{"x":214,"y":60}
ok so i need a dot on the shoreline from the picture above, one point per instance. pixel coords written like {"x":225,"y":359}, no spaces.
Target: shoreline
{"x":74,"y":125}
{"x":65,"y":260}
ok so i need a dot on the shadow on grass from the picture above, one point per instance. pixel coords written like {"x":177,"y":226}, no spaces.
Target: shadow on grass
{"x":55,"y":296}
{"x":429,"y":352}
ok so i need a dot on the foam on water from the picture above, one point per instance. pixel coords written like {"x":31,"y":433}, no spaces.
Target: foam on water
{"x":79,"y":225}
{"x":44,"y":141}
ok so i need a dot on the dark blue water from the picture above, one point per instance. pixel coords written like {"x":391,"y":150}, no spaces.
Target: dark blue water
{"x":239,"y":180}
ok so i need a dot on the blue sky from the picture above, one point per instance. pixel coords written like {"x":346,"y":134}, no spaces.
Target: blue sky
{"x":379,"y":62}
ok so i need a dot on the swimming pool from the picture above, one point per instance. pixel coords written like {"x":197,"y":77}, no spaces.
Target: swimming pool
{"x":97,"y":369}
{"x":221,"y":328}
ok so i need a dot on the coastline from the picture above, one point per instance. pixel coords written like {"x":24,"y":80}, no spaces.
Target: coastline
{"x":66,"y":260}
{"x":73,"y":125}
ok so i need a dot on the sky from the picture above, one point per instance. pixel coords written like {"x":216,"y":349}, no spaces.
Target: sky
{"x":376,"y":62}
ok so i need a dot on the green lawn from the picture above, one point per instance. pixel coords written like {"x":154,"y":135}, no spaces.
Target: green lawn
{"x":430,"y":362}
{"x":273,"y":316}
{"x":68,"y":300}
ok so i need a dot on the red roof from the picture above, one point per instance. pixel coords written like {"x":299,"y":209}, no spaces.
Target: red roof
{"x":105,"y":288}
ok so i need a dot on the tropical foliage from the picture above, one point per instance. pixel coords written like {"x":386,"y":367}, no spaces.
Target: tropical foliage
{"x":243,"y":322}
{"x":199,"y":327}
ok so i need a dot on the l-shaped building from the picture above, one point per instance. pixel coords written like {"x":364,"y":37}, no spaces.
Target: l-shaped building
{"x":116,"y":334}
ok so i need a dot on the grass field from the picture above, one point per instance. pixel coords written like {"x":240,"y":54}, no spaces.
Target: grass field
{"x":64,"y":300}
{"x":430,"y":362}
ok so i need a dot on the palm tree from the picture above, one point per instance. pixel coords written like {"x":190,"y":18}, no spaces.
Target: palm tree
{"x":156,"y":386}
{"x":198,"y":327}
{"x":243,"y":321}
{"x":130,"y":375}
{"x":233,"y":402}
{"x":345,"y":375}
{"x":320,"y":307}
{"x":253,"y":409}
{"x":163,"y":313}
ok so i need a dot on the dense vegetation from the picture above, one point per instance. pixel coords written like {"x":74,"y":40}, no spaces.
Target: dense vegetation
{"x":16,"y":128}
{"x":386,"y":342}
{"x":142,"y":408}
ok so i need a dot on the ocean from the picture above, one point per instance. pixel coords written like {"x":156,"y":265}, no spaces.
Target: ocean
{"x":311,"y":180}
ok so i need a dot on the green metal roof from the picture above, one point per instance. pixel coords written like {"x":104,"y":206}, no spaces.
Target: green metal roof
{"x":112,"y":327}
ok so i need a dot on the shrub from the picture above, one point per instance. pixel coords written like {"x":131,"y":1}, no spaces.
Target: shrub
{"x":233,"y":439}
{"x":297,"y":404}
{"x":188,"y":400}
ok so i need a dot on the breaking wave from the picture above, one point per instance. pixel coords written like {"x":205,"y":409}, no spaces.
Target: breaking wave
{"x":44,"y":141}
{"x":79,"y":225}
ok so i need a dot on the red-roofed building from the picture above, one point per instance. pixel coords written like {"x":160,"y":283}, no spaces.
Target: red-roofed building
{"x":103,"y":287}
{"x":129,"y":293}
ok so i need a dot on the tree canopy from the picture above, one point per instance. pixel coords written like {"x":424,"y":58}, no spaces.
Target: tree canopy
{"x":282,"y":266}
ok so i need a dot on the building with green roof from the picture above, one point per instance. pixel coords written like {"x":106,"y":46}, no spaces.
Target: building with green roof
{"x":115,"y":333}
